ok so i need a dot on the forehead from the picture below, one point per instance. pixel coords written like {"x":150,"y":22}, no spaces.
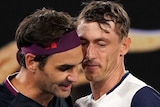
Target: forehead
{"x":93,"y":30}
{"x":67,"y":57}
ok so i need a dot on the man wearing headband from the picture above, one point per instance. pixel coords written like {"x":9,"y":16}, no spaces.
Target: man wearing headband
{"x":47,"y":53}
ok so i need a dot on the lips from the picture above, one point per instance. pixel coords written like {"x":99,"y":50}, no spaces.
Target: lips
{"x":66,"y":87}
{"x":90,"y":66}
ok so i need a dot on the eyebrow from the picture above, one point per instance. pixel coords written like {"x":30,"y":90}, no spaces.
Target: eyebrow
{"x":64,"y":66}
{"x":97,"y":39}
{"x":67,"y":65}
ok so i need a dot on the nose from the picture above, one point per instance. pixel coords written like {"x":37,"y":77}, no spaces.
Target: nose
{"x":73,"y":76}
{"x":90,"y":52}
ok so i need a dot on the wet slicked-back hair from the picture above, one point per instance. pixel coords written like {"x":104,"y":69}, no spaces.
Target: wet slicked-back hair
{"x":97,"y":11}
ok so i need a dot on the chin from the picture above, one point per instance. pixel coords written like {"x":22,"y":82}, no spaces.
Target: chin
{"x":63,"y":94}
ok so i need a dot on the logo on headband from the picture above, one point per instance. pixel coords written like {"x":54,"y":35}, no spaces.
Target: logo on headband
{"x":53,"y":45}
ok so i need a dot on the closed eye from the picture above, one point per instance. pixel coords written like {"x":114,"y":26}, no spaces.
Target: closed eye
{"x":101,"y":43}
{"x":65,"y":67}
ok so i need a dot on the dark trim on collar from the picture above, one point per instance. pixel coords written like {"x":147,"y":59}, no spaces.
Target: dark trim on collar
{"x":8,"y":84}
{"x":124,"y":76}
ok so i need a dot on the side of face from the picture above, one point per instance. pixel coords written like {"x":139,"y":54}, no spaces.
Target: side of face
{"x":103,"y":52}
{"x":59,"y":73}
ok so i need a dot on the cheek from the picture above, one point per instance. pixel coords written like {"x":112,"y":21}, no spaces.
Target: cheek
{"x":113,"y":59}
{"x":54,"y":75}
{"x":51,"y":74}
{"x":108,"y":57}
{"x":53,"y":79}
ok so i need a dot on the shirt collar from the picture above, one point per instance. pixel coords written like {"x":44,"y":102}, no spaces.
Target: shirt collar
{"x":9,"y":85}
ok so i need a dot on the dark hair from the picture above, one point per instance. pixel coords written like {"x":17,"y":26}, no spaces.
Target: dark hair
{"x":42,"y":28}
{"x":97,"y":11}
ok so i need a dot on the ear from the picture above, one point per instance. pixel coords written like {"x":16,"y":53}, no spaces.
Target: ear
{"x":125,"y":45}
{"x":30,"y":63}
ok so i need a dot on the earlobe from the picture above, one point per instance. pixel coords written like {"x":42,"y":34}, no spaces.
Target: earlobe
{"x":125,"y":45}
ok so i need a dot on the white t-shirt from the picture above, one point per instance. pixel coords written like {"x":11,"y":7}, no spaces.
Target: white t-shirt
{"x":121,"y":96}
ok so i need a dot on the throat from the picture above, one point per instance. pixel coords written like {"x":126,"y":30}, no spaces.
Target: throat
{"x":103,"y":87}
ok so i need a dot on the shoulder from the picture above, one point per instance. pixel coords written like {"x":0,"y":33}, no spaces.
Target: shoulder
{"x":4,"y":92}
{"x":5,"y":96}
{"x":146,"y":97}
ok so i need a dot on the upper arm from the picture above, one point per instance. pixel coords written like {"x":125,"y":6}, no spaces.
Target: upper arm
{"x":146,"y":97}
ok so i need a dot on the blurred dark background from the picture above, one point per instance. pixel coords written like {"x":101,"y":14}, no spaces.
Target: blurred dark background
{"x":144,"y":15}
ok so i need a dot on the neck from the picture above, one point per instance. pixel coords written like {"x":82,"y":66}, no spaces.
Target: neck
{"x":28,"y":88}
{"x":104,"y":86}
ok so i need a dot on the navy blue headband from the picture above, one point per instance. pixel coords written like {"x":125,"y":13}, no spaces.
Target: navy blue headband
{"x":68,"y":41}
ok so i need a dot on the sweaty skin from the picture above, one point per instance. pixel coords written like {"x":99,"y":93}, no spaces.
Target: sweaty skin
{"x":103,"y":61}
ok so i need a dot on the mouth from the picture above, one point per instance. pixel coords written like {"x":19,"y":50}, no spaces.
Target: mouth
{"x":66,"y":87}
{"x":89,"y":66}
